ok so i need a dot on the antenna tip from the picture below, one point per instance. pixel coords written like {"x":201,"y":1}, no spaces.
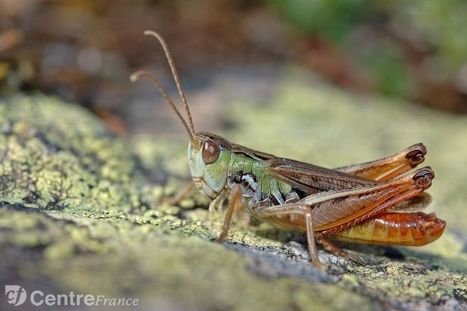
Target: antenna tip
{"x":135,"y":76}
{"x":150,"y":33}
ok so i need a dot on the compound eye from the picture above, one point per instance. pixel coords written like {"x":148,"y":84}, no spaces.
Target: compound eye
{"x":211,"y":151}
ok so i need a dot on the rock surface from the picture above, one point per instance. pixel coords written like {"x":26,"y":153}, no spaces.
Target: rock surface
{"x":81,"y":210}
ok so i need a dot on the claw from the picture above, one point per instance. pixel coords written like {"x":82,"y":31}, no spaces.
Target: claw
{"x":355,"y":258}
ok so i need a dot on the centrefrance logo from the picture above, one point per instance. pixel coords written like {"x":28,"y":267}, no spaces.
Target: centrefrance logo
{"x":17,"y":295}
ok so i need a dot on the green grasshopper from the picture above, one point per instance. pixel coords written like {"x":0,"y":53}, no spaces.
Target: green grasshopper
{"x":372,"y":202}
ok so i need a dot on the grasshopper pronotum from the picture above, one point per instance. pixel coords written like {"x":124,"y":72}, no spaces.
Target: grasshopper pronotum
{"x":372,"y":202}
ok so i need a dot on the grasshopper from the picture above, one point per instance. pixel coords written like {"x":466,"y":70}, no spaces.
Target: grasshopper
{"x":375,"y":202}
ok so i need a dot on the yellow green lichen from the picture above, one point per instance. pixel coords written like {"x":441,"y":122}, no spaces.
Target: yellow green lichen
{"x":79,"y":213}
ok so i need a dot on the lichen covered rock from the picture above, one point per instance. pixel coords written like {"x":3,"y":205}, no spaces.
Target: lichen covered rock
{"x":56,"y":155}
{"x":82,"y":211}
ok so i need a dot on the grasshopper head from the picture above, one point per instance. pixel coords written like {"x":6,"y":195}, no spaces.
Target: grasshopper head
{"x":208,"y":155}
{"x":209,"y":159}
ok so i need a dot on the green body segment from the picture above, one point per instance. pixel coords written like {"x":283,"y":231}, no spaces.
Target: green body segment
{"x":242,"y":164}
{"x":212,"y":179}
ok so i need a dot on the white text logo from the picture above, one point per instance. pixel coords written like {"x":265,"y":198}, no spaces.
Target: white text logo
{"x":15,"y":295}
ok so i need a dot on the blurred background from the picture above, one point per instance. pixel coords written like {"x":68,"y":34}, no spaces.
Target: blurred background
{"x":85,"y":50}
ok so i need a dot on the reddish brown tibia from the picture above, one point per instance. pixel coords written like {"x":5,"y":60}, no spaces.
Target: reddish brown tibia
{"x":409,"y":229}
{"x":388,"y":167}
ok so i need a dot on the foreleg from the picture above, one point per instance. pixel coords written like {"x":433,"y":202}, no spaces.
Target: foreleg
{"x":182,"y":195}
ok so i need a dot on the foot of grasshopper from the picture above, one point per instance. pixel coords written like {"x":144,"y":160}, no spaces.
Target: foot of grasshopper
{"x":215,"y":208}
{"x":337,"y":251}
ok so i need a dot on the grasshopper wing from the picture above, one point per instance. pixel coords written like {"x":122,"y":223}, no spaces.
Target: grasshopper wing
{"x":310,"y":178}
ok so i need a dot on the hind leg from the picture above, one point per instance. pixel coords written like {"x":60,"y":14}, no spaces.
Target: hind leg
{"x":328,"y":212}
{"x":388,"y":167}
{"x":311,"y":241}
{"x":339,"y":252}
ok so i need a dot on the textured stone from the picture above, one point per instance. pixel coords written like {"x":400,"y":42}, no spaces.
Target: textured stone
{"x":81,"y":209}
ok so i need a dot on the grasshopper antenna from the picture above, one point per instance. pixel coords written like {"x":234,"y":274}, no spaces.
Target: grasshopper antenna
{"x":151,"y":78}
{"x":175,"y":75}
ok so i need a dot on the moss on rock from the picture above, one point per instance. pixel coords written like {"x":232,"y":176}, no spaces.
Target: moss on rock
{"x":81,"y":212}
